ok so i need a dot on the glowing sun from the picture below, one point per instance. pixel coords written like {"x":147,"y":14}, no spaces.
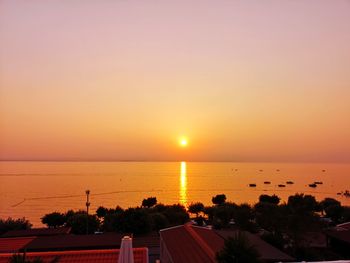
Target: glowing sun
{"x":183,"y":142}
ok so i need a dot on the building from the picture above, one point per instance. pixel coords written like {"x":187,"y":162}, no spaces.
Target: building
{"x":81,"y":256}
{"x":188,"y":243}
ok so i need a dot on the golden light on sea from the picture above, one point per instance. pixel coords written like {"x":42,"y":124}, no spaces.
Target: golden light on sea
{"x":183,"y":184}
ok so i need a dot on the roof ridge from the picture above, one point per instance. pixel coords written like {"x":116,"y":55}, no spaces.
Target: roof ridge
{"x":203,"y":245}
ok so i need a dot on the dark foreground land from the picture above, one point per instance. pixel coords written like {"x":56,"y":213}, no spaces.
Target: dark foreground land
{"x":300,"y":229}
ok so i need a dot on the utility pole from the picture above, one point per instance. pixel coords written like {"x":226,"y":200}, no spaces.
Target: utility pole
{"x":87,"y":210}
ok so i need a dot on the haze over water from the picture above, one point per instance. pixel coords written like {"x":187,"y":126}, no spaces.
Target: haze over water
{"x":59,"y":186}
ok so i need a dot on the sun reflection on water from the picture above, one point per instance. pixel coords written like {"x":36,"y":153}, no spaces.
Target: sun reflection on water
{"x":183,"y":184}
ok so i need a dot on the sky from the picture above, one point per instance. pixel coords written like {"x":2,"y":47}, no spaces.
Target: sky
{"x":124,"y":80}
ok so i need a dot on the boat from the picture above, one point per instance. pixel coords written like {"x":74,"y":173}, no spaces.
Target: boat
{"x":281,"y":185}
{"x":252,"y":185}
{"x":267,"y":182}
{"x":318,"y":182}
{"x":313,"y":185}
{"x":290,"y":182}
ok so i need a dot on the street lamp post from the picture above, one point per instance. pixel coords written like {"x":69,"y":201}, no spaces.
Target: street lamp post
{"x":87,"y":210}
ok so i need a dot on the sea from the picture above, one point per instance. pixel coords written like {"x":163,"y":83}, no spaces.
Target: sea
{"x":32,"y":189}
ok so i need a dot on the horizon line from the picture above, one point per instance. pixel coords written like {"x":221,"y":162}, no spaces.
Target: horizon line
{"x":165,"y":161}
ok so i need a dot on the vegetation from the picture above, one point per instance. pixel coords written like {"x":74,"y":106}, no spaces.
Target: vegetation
{"x":14,"y":224}
{"x":149,"y":202}
{"x":281,"y":224}
{"x":196,"y":208}
{"x":219,"y":199}
{"x":237,"y":249}
{"x":273,"y":199}
{"x":54,"y":220}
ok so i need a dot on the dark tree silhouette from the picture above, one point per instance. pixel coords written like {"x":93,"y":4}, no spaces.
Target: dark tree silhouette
{"x":78,"y":223}
{"x":219,"y":199}
{"x":149,"y":202}
{"x":196,"y":208}
{"x":237,"y":249}
{"x":14,"y":224}
{"x":273,"y":199}
{"x":54,"y":219}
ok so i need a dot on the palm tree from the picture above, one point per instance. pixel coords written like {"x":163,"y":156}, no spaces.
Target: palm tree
{"x":237,"y":249}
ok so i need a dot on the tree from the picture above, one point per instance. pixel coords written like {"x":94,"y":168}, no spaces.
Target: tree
{"x":134,"y":220}
{"x":272,"y":199}
{"x":54,"y":219}
{"x":159,"y":221}
{"x":79,"y":220}
{"x":237,"y":249}
{"x":196,"y":208}
{"x":270,"y":216}
{"x":332,"y":208}
{"x":300,"y":203}
{"x":14,"y":224}
{"x":101,"y":211}
{"x":176,"y":214}
{"x":149,"y":202}
{"x":243,"y":217}
{"x":219,"y":199}
{"x":335,"y":212}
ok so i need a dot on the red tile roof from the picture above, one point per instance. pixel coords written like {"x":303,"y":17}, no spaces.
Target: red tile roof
{"x":82,"y":256}
{"x":344,"y":226}
{"x":37,"y":232}
{"x":12,"y":245}
{"x":186,"y":244}
{"x":80,"y":242}
{"x":343,"y":235}
{"x":194,"y":244}
{"x":267,"y":252}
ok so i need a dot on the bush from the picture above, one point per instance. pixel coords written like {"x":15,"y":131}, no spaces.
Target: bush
{"x":196,"y":208}
{"x":300,"y":203}
{"x":159,"y":221}
{"x":134,"y":220}
{"x":14,"y":224}
{"x":272,"y":199}
{"x":79,"y":220}
{"x":101,"y":211}
{"x":176,"y":214}
{"x":54,"y":219}
{"x":237,"y":249}
{"x":219,"y":199}
{"x":149,"y":202}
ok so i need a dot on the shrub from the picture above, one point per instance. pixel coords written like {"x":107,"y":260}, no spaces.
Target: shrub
{"x":54,"y":219}
{"x":14,"y":224}
{"x":219,"y":199}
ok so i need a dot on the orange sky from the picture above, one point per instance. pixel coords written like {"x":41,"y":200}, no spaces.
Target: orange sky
{"x":123,"y":80}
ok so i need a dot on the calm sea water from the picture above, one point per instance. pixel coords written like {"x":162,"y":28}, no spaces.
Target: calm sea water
{"x":32,"y":189}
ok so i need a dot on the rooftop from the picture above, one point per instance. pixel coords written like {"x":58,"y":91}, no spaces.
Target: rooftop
{"x":37,"y":232}
{"x":82,"y":256}
{"x":13,"y":245}
{"x":188,"y":243}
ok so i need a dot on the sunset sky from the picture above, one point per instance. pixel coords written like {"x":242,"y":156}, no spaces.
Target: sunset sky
{"x":126,"y":80}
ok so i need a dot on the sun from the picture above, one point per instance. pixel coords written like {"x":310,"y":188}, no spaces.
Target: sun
{"x":183,"y":142}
